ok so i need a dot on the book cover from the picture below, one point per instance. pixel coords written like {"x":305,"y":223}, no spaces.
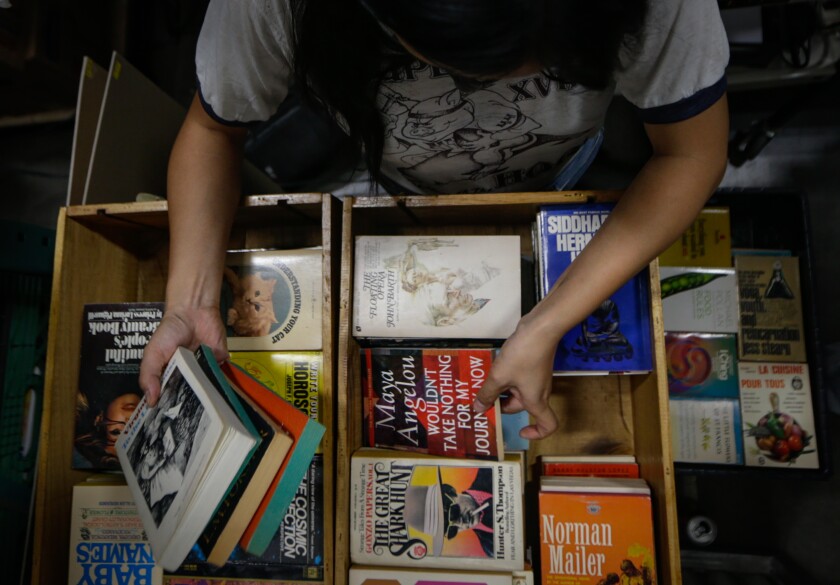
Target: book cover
{"x":272,"y":299}
{"x":594,"y":531}
{"x":368,"y":575}
{"x":771,"y":327}
{"x":421,"y":400}
{"x":590,"y":466}
{"x":295,"y":553}
{"x":706,"y":242}
{"x":778,"y":415}
{"x":306,"y":434}
{"x":616,"y":337}
{"x":701,"y":365}
{"x":455,"y":287}
{"x":416,"y":510}
{"x":180,"y":457}
{"x":107,"y":541}
{"x":246,"y":492}
{"x":699,"y":300}
{"x":706,"y":431}
{"x":114,"y":336}
{"x":512,"y":424}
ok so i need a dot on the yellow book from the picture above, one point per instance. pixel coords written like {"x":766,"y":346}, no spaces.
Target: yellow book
{"x":707,"y":242}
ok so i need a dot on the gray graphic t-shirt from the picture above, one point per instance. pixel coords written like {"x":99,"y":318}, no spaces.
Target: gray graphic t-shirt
{"x":509,"y":135}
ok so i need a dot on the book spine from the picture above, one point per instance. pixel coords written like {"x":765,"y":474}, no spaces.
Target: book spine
{"x":592,"y":469}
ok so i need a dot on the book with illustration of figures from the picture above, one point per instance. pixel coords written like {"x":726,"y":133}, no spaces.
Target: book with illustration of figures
{"x":616,"y":337}
{"x":114,"y":336}
{"x":417,"y":510}
{"x":442,"y":287}
{"x":272,"y":299}
{"x":181,"y":456}
{"x":421,"y":400}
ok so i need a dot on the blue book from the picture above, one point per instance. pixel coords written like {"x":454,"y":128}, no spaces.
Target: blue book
{"x":616,"y":337}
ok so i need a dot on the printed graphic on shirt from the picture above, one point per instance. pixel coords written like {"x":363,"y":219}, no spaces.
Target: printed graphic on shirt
{"x":440,"y":138}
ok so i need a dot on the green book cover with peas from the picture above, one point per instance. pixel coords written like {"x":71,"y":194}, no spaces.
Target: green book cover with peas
{"x":616,"y":337}
{"x":699,"y":300}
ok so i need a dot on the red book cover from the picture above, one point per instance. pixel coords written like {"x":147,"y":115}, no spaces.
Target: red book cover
{"x":593,"y":469}
{"x":420,"y":399}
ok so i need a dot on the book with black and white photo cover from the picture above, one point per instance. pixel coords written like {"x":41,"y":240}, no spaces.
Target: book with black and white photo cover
{"x":417,"y":510}
{"x":107,"y":540}
{"x":272,"y":299}
{"x":443,"y":287}
{"x":180,"y":457}
{"x":114,"y":336}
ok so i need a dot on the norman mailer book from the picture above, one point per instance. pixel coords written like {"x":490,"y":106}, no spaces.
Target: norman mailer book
{"x":180,"y":456}
{"x":452,"y":287}
{"x":415,"y":510}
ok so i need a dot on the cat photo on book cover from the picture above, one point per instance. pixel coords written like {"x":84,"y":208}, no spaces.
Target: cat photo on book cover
{"x":161,"y":454}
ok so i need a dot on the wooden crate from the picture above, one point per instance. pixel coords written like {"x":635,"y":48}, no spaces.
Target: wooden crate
{"x":628,"y":412}
{"x":118,"y":253}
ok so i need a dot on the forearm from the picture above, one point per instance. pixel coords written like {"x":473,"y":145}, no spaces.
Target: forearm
{"x":204,"y":190}
{"x":655,"y":209}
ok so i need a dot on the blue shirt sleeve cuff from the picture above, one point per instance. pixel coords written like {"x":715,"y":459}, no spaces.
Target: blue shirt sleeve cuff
{"x":685,"y":108}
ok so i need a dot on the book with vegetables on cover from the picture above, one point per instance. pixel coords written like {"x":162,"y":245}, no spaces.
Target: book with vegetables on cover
{"x":417,"y":510}
{"x":306,"y":435}
{"x":616,"y":337}
{"x":421,"y":400}
{"x":180,"y":457}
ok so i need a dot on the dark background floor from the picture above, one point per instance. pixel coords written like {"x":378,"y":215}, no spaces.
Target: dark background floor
{"x":793,"y":520}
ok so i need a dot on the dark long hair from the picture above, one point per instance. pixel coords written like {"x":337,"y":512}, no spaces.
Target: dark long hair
{"x":343,"y":48}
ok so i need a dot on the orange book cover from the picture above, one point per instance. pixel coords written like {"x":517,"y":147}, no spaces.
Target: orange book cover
{"x":306,"y":434}
{"x":591,"y":538}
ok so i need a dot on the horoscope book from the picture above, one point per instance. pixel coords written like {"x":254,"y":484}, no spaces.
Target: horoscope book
{"x":778,"y":414}
{"x":437,"y":287}
{"x":770,"y":298}
{"x":595,"y":530}
{"x":416,"y":510}
{"x":616,"y":337}
{"x":421,"y":400}
{"x":271,"y":299}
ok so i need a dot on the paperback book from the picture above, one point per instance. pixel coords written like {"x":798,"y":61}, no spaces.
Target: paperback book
{"x":706,"y":431}
{"x":699,"y":300}
{"x":590,"y":465}
{"x":306,"y":435}
{"x":616,"y":337}
{"x":421,"y":400}
{"x":107,"y":541}
{"x":181,"y":456}
{"x":272,"y":299}
{"x":702,"y":365}
{"x":595,"y":530}
{"x":778,"y":415}
{"x":772,"y":327}
{"x":416,"y":510}
{"x":367,"y":575}
{"x":449,"y":287}
{"x":114,"y":336}
{"x":707,"y":242}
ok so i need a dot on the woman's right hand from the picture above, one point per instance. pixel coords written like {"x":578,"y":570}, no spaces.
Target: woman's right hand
{"x":180,"y":326}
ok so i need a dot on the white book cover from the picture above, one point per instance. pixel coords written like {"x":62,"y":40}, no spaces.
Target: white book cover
{"x":778,"y":415}
{"x":107,"y":540}
{"x":453,"y":287}
{"x":706,"y":431}
{"x":364,"y":575}
{"x":699,"y":300}
{"x":272,"y":299}
{"x":413,"y":510}
{"x":180,"y":456}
